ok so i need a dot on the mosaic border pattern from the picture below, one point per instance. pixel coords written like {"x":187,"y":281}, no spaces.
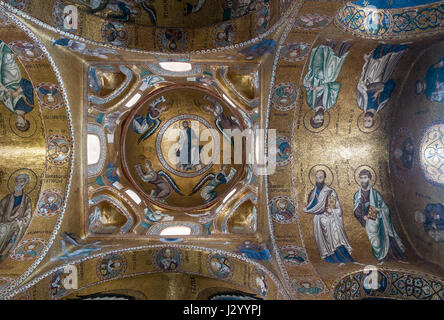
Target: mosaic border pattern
{"x":399,"y":23}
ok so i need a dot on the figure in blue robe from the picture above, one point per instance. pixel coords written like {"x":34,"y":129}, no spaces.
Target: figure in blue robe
{"x":433,"y":84}
{"x":375,"y":85}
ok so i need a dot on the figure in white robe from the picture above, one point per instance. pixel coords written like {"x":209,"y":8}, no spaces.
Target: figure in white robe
{"x":189,"y":149}
{"x":374,"y":215}
{"x":15,"y":215}
{"x":331,"y":239}
{"x":375,"y":85}
{"x":320,"y":83}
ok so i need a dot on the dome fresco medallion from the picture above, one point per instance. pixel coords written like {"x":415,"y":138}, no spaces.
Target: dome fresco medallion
{"x":173,"y":148}
{"x":119,"y":177}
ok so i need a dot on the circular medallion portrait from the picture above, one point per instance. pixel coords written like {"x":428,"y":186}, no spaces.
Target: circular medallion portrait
{"x":49,"y":95}
{"x":50,"y":203}
{"x":369,"y":122}
{"x":293,"y":255}
{"x":111,"y":266}
{"x":223,"y":34}
{"x":28,"y":249}
{"x":220,"y":266}
{"x":293,"y":52}
{"x":284,"y":97}
{"x":59,"y":149}
{"x":316,"y":121}
{"x":168,"y":259}
{"x":177,"y":148}
{"x":282,"y":210}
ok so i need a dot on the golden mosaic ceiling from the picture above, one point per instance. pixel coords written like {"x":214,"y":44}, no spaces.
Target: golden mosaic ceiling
{"x":119,"y":178}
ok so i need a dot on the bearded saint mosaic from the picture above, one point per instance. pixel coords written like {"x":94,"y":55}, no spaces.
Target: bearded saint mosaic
{"x":374,"y":216}
{"x":323,"y":203}
{"x":375,"y":85}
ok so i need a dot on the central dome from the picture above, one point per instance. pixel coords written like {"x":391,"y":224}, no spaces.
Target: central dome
{"x":173,"y":148}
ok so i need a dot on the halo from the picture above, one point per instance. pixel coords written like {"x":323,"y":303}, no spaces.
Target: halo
{"x":23,"y":134}
{"x":374,"y":178}
{"x":309,"y":114}
{"x":360,"y":123}
{"x":182,"y":121}
{"x":30,"y":186}
{"x":312,"y":174}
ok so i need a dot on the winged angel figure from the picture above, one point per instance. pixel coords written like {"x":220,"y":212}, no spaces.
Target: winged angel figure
{"x":160,"y":179}
{"x":208,"y":192}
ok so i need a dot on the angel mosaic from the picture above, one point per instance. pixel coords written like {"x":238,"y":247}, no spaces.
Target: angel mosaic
{"x":222,"y":121}
{"x":147,"y":125}
{"x":121,"y":10}
{"x":209,"y":192}
{"x":162,"y":182}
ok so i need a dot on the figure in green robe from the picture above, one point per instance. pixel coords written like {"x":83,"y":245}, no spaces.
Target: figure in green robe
{"x":374,"y":215}
{"x":320,"y":83}
{"x":16,"y":93}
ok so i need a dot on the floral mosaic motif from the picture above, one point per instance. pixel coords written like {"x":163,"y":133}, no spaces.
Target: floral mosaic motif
{"x":390,"y":284}
{"x":50,"y":203}
{"x":28,"y":249}
{"x":26,"y":51}
{"x":282,"y":210}
{"x":59,"y":149}
{"x":293,"y":52}
{"x":432,"y":154}
{"x":413,"y":286}
{"x":311,"y":21}
{"x":220,"y":266}
{"x":349,"y":287}
{"x":293,"y":255}
{"x":307,"y":287}
{"x":111,"y":266}
{"x":168,"y":259}
{"x":391,"y":23}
